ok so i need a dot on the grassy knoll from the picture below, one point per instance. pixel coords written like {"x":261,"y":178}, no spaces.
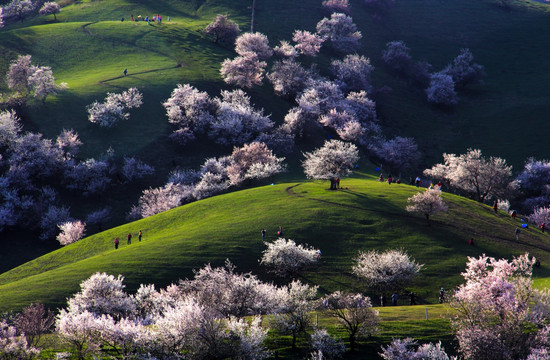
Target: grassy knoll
{"x":365,"y":215}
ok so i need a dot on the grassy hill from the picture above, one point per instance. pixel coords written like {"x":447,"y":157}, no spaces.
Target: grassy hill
{"x":365,"y":215}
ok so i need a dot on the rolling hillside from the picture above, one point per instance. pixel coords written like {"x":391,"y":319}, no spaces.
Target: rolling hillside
{"x":364,"y":215}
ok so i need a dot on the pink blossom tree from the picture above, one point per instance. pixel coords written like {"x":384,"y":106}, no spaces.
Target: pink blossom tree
{"x":307,"y":43}
{"x":223,"y":29}
{"x":341,"y":32}
{"x":18,"y":9}
{"x":34,"y":321}
{"x":499,"y":315}
{"x":71,"y":231}
{"x":335,"y":159}
{"x":345,"y":124}
{"x":288,"y":77}
{"x":69,"y":142}
{"x":255,"y":43}
{"x":244,"y":71}
{"x":253,"y":161}
{"x":540,"y":215}
{"x":327,"y":346}
{"x":50,"y":7}
{"x":340,"y":6}
{"x":10,"y":127}
{"x":385,"y":271}
{"x":285,"y":50}
{"x":427,"y":203}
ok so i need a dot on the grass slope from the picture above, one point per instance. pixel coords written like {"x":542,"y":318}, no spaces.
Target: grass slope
{"x":365,"y":215}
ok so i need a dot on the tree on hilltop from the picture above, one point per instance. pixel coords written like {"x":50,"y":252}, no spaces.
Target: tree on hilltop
{"x":223,"y":29}
{"x":50,"y":7}
{"x":479,"y":177}
{"x":334,"y":160}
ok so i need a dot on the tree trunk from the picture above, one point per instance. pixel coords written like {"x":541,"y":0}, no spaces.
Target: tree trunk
{"x":428,"y":219}
{"x":352,"y":342}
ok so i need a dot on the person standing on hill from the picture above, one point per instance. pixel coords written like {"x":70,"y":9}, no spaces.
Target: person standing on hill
{"x":263,"y":234}
{"x":129,"y":237}
{"x":394,"y":299}
{"x":542,"y":227}
{"x":116,"y":243}
{"x":125,"y":72}
{"x":140,"y":234}
{"x":517,"y":231}
{"x":495,"y":206}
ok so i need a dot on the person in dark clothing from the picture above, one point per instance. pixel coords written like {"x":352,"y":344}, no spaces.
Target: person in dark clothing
{"x":140,"y":234}
{"x":116,"y":243}
{"x":129,"y":237}
{"x":413,"y":298}
{"x":263,"y":234}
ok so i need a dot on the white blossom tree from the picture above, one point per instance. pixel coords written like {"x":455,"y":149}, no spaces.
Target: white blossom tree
{"x":71,"y":231}
{"x":307,"y":43}
{"x":353,"y":72}
{"x":255,"y":43}
{"x":114,"y":108}
{"x":385,"y":271}
{"x":50,"y":7}
{"x":354,"y":313}
{"x":18,"y":74}
{"x":157,"y":200}
{"x":284,"y":257}
{"x":341,"y":32}
{"x":90,"y":176}
{"x":479,"y":177}
{"x":441,"y":90}
{"x":10,"y":127}
{"x":540,"y":215}
{"x":228,"y":293}
{"x":223,"y":29}
{"x":42,"y":82}
{"x":498,"y":313}
{"x":1,"y":17}
{"x":345,"y":124}
{"x":237,"y":121}
{"x":408,"y":349}
{"x":295,"y":317}
{"x":13,"y":346}
{"x":329,"y":347}
{"x":335,"y":159}
{"x":427,"y":203}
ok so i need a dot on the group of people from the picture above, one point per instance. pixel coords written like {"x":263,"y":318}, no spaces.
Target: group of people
{"x":279,"y":232}
{"x":390,"y":179}
{"x":128,"y":239}
{"x":157,"y":18}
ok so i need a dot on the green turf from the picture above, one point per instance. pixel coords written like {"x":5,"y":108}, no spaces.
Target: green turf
{"x":365,"y":215}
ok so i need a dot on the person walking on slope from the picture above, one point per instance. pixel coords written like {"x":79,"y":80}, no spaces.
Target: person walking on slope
{"x":140,"y":234}
{"x":116,"y":243}
{"x":129,"y":237}
{"x":517,"y":231}
{"x":495,"y":206}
